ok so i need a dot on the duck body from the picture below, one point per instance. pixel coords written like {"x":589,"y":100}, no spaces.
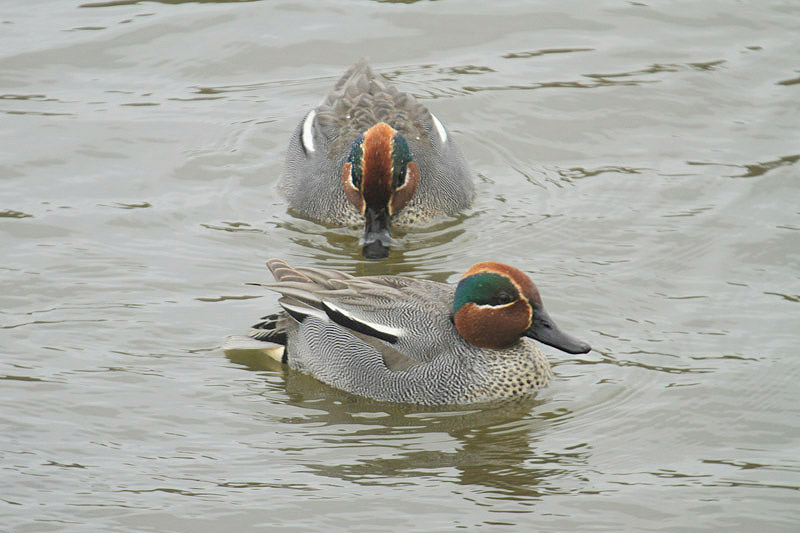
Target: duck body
{"x":325,"y":156}
{"x":398,"y":339}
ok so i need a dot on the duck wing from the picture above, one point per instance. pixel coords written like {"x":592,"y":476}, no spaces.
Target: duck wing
{"x":362,"y":98}
{"x":379,"y":310}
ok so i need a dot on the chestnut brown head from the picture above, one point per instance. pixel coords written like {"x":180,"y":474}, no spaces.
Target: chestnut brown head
{"x":379,"y":178}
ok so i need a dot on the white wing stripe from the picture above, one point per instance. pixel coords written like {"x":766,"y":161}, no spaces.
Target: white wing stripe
{"x":304,"y":310}
{"x":383,"y":328}
{"x":308,"y":136}
{"x":439,"y":128}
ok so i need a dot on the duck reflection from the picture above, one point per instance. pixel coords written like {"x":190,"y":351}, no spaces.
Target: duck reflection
{"x":413,"y":253}
{"x":489,"y":445}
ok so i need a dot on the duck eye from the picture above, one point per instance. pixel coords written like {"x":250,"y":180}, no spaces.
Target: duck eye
{"x":401,"y":157}
{"x":504,"y":298}
{"x":400,"y":178}
{"x":355,"y":159}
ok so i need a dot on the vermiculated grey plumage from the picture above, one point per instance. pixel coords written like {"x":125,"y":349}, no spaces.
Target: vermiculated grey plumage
{"x":429,"y":363}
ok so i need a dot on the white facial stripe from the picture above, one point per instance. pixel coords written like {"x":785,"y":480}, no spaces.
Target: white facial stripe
{"x":509,"y":304}
{"x":307,"y":136}
{"x":383,"y":328}
{"x":488,"y":306}
{"x":406,"y":178}
{"x":439,"y":128}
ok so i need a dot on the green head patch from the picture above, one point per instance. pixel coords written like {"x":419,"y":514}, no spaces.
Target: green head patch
{"x":484,"y":288}
{"x":356,"y":158}
{"x":401,"y":157}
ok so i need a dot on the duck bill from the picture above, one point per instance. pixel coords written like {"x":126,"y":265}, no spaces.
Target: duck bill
{"x":544,"y":330}
{"x":376,"y":233}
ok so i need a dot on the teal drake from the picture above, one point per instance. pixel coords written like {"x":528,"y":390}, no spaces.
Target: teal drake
{"x":371,"y":156}
{"x":405,"y":340}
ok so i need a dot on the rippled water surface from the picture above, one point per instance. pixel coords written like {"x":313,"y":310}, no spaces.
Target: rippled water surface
{"x":639,"y":160}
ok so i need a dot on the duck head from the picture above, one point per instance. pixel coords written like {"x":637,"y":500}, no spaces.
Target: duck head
{"x":379,"y":178}
{"x":496,"y":304}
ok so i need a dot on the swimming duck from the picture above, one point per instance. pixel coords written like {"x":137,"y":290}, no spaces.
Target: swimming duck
{"x":372,"y":156}
{"x":400,"y":339}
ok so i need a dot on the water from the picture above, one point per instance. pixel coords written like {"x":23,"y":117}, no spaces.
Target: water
{"x":638,"y":160}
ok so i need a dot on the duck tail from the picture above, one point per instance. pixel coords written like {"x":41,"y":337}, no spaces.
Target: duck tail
{"x":268,"y":336}
{"x":282,"y":271}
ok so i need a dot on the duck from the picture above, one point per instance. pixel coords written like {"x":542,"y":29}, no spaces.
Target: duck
{"x":371,"y":156}
{"x":407,"y":340}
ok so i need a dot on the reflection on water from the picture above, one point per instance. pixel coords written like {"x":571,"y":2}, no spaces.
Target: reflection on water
{"x":117,"y":3}
{"x":494,"y":446}
{"x":421,"y":250}
{"x":755,"y":169}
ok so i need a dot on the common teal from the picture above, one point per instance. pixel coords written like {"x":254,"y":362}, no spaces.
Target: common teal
{"x":370,"y":155}
{"x":399,"y":339}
